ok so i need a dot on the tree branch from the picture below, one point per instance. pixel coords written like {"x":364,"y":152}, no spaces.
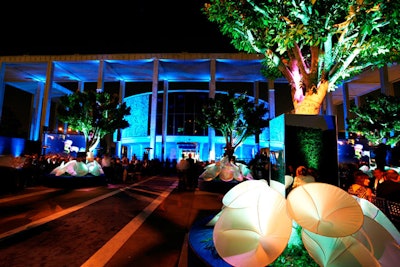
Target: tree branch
{"x":300,"y":60}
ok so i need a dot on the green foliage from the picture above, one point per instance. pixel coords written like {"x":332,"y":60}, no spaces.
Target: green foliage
{"x":377,"y":118}
{"x":311,"y":145}
{"x":92,"y":113}
{"x":312,"y":42}
{"x":295,"y":254}
{"x":236,"y":117}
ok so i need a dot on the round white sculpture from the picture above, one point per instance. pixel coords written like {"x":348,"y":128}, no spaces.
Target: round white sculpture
{"x":253,"y":228}
{"x":325,"y":209}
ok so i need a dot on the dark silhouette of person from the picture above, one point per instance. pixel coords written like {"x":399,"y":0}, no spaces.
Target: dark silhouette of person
{"x":191,"y":173}
{"x":395,"y":160}
{"x":380,"y":152}
{"x":182,"y":169}
{"x":390,"y":187}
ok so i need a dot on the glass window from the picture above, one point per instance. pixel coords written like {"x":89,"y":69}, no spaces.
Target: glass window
{"x":183,"y":109}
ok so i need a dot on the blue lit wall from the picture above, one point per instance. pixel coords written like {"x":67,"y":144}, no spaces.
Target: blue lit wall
{"x":139,"y":116}
{"x":18,"y":146}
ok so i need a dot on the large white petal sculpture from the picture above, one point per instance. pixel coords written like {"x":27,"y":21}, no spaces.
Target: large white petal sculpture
{"x":59,"y":170}
{"x":325,"y":209}
{"x":246,"y":172}
{"x":375,"y":213}
{"x":379,"y":241}
{"x":337,"y":251}
{"x":211,"y":171}
{"x":245,"y":194}
{"x":278,"y":186}
{"x":81,"y":169}
{"x":94,"y":168}
{"x":237,"y":174}
{"x":226,"y":171}
{"x":256,"y":233}
{"x":226,"y":174}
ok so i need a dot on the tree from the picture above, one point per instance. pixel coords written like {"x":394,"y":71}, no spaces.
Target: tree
{"x":94,"y":114}
{"x":236,"y":117}
{"x":314,"y":44}
{"x":376,"y":119}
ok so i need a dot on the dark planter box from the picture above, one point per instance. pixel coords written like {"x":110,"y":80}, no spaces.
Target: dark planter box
{"x":308,"y":140}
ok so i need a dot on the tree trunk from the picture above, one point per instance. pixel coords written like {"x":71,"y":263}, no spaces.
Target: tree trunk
{"x":312,"y":102}
{"x":91,"y":143}
{"x":229,"y":151}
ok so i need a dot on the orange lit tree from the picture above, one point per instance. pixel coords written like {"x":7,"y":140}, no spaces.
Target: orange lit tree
{"x":314,"y":44}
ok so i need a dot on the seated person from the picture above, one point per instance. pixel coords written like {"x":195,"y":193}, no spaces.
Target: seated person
{"x":377,"y":178}
{"x":360,"y":187}
{"x":302,"y":177}
{"x":390,"y":187}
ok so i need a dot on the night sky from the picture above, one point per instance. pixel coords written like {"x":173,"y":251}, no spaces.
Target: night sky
{"x":112,"y":27}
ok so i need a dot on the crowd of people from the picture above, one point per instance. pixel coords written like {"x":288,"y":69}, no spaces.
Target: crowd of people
{"x":372,"y":171}
{"x":33,"y":169}
{"x":375,"y":182}
{"x":356,"y":178}
{"x":188,"y":172}
{"x":363,"y":182}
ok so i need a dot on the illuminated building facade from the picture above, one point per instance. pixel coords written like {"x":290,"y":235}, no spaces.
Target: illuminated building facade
{"x":176,"y":130}
{"x":165,"y":92}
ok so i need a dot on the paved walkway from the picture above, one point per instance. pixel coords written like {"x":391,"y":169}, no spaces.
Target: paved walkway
{"x":155,"y":237}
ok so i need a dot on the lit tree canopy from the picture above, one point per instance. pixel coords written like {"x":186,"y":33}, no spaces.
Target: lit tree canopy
{"x":377,"y":118}
{"x":236,"y":117}
{"x":314,"y":44}
{"x":94,"y":114}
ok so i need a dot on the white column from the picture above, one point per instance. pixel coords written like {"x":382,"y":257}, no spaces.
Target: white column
{"x":164,"y":121}
{"x":330,"y":110}
{"x":100,"y":78}
{"x":36,"y":111}
{"x":46,"y":100}
{"x":211,"y":94}
{"x":271,"y":98}
{"x":119,"y":131}
{"x":256,"y":93}
{"x":153,"y":112}
{"x":121,"y":91}
{"x":81,"y":86}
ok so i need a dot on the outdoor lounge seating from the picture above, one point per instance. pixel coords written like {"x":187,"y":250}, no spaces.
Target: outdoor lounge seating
{"x":390,"y":208}
{"x":380,"y":203}
{"x":393,"y":211}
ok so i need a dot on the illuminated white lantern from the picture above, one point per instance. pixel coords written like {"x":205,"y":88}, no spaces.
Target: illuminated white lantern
{"x":253,"y":228}
{"x":325,"y":209}
{"x":337,"y":251}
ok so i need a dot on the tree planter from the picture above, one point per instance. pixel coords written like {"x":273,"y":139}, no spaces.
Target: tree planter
{"x":308,"y":140}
